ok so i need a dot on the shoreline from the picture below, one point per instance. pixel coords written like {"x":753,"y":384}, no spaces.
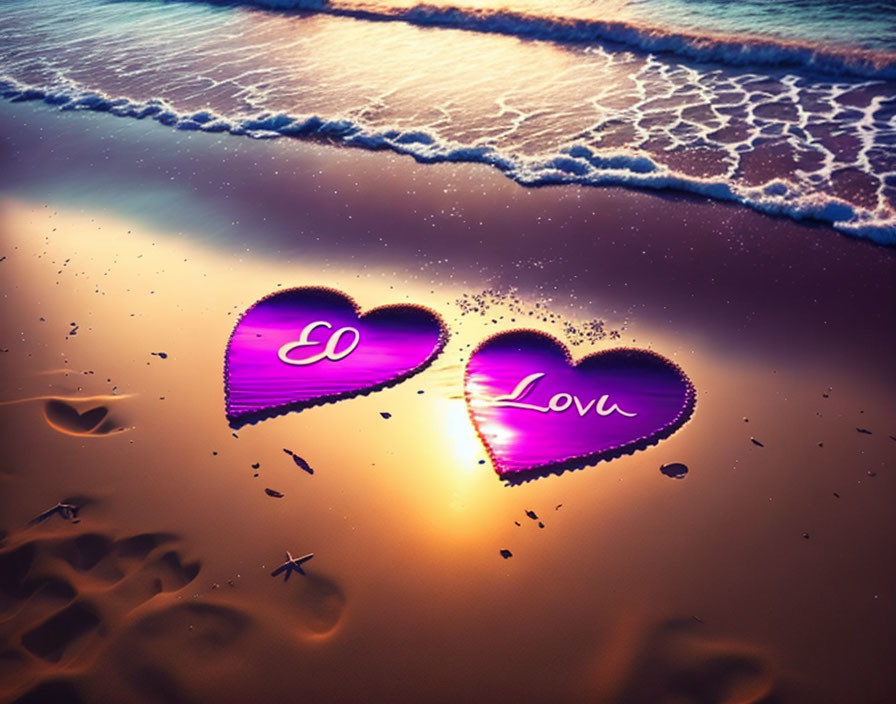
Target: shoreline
{"x":570,"y":168}
{"x":155,"y":240}
{"x":311,"y":198}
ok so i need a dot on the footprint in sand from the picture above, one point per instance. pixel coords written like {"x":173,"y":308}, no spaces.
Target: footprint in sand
{"x":319,"y":602}
{"x":677,"y":661}
{"x":62,"y":591}
{"x":201,"y":650}
{"x":52,"y":691}
{"x":242,"y":644}
{"x":50,"y":639}
{"x":206,"y":628}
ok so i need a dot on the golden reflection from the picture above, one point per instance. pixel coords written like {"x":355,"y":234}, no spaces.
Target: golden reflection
{"x":104,"y":398}
{"x":427,"y":459}
{"x":364,"y":69}
{"x":464,"y":446}
{"x":399,"y":512}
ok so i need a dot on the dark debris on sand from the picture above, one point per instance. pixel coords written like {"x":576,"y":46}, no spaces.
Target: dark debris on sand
{"x":756,"y":442}
{"x":68,"y":511}
{"x":505,"y":553}
{"x":676,"y":470}
{"x":300,"y":462}
{"x":386,"y":415}
{"x":275,"y":494}
{"x":863,"y":431}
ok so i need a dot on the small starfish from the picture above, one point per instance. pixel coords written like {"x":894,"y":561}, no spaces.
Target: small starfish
{"x":68,"y":511}
{"x":292,"y":564}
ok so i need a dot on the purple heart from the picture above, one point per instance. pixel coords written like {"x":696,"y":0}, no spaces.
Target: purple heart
{"x":306,"y":346}
{"x":538,"y":412}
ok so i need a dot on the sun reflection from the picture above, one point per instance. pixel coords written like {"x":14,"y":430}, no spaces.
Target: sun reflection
{"x":498,"y":434}
{"x":461,"y":439}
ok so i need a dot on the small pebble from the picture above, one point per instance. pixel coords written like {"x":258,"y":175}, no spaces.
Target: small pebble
{"x":676,"y":470}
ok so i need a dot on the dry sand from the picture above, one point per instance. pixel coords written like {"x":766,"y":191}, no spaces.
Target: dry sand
{"x":764,"y":575}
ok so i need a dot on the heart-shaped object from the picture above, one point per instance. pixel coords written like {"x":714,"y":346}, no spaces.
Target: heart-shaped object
{"x":307,"y":346}
{"x":65,"y":418}
{"x":538,"y":412}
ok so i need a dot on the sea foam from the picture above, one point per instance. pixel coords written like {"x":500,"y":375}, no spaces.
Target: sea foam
{"x":576,"y":164}
{"x":706,"y":47}
{"x":809,"y":147}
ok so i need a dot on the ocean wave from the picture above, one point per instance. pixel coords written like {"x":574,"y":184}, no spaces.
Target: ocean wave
{"x":573,"y":164}
{"x":730,"y":51}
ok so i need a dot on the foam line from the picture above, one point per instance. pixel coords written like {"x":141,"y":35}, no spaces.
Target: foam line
{"x":574,"y":164}
{"x":751,"y":51}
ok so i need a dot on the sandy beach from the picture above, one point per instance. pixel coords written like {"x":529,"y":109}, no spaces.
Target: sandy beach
{"x":128,"y":252}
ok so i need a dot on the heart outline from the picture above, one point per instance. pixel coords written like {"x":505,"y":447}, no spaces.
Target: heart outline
{"x":242,"y":419}
{"x":580,"y":461}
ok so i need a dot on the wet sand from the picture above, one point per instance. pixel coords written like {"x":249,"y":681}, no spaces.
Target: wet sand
{"x":763,"y":575}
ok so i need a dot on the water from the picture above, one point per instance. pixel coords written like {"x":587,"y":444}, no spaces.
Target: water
{"x":863,"y":24}
{"x":759,"y":103}
{"x":850,"y":24}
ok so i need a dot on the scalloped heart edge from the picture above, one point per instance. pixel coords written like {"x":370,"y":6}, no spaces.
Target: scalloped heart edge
{"x":241,"y":420}
{"x":579,"y":462}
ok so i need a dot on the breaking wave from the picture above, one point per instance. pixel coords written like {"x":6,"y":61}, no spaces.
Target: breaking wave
{"x":794,"y":143}
{"x":731,"y":51}
{"x":576,"y":164}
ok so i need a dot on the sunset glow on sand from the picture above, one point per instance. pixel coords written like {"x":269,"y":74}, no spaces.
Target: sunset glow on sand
{"x":450,"y":506}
